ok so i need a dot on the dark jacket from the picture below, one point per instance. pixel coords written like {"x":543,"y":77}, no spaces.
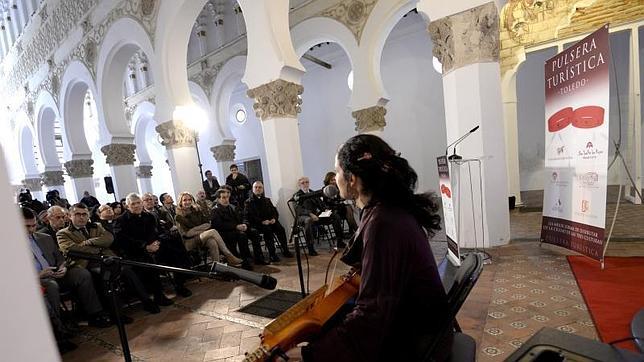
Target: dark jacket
{"x":90,"y":201}
{"x":210,"y":191}
{"x":238,"y":195}
{"x":133,"y":233}
{"x":258,"y":209}
{"x":226,"y":218}
{"x":401,"y":299}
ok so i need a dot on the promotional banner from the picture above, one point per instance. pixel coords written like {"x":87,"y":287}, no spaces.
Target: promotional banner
{"x":448,"y":211}
{"x":576,"y":147}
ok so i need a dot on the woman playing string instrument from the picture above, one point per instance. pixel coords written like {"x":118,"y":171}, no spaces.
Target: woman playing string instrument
{"x":400,"y":298}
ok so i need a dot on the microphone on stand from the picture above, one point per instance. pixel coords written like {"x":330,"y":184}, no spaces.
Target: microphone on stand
{"x":261,"y":280}
{"x":454,"y":156}
{"x":329,"y":191}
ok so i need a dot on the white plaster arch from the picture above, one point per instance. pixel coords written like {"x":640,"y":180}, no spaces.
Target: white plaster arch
{"x":199,"y":96}
{"x":76,"y":81}
{"x":228,"y":79}
{"x":175,"y":21}
{"x":25,"y":135}
{"x":124,"y":38}
{"x":46,"y":113}
{"x":317,"y":30}
{"x":143,"y":114}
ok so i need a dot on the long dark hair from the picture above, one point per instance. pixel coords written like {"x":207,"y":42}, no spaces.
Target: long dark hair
{"x":388,"y":178}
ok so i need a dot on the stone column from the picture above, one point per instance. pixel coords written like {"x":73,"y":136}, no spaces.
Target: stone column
{"x":120,"y":157}
{"x":511,"y":120}
{"x":144,"y":176}
{"x":224,"y":154}
{"x":34,"y":184}
{"x":467,"y":44}
{"x":202,"y":36}
{"x":277,"y":104}
{"x":370,"y":120}
{"x":180,"y":143}
{"x":130,"y":83}
{"x":53,"y":180}
{"x":81,"y":172}
{"x":142,"y":68}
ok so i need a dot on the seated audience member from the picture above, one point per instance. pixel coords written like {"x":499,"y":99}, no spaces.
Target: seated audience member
{"x":89,"y":200}
{"x":203,"y":201}
{"x":210,"y":186}
{"x":228,"y":220}
{"x":171,"y":252}
{"x":308,"y":211}
{"x":91,"y":238}
{"x":194,"y":224}
{"x":263,"y":217}
{"x":54,"y":275}
{"x":137,"y":238}
{"x":106,"y":218}
{"x":117,"y":209}
{"x":239,"y":186}
{"x":61,"y":333}
{"x":56,"y":217}
{"x":167,"y":203}
{"x":339,"y":205}
{"x":42,"y":219}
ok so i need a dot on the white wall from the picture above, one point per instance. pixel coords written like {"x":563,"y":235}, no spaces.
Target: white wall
{"x":415,"y":113}
{"x":250,"y":140}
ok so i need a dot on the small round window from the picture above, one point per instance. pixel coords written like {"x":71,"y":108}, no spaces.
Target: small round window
{"x":239,"y":113}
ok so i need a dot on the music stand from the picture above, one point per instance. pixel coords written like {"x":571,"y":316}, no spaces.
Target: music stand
{"x":295,"y":230}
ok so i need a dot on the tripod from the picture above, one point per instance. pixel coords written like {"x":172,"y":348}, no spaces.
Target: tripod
{"x":111,"y":267}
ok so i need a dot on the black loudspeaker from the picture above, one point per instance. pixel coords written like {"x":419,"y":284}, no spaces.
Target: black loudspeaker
{"x":109,"y":186}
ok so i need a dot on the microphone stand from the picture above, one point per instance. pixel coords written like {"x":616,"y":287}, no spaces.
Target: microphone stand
{"x":110,"y":270}
{"x":454,"y":156}
{"x":295,"y":230}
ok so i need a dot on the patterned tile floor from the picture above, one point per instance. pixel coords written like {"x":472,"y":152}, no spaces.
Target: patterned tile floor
{"x":526,"y":287}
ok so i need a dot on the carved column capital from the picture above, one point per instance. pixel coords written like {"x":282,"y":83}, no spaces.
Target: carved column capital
{"x":52,"y":178}
{"x":277,"y":99}
{"x":176,"y":134}
{"x":119,"y":154}
{"x":33,"y":184}
{"x":469,"y":37}
{"x":223,"y":153}
{"x":370,"y":119}
{"x":79,"y":168}
{"x":144,"y":171}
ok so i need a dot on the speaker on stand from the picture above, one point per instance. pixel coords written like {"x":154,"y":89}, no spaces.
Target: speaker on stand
{"x":109,"y":186}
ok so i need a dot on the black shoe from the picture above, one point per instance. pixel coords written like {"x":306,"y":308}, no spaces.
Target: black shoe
{"x":261,"y":262}
{"x":162,"y":300}
{"x":287,"y":254}
{"x":151,"y":307}
{"x":100,"y":321}
{"x":275,"y":259}
{"x":183,"y":291}
{"x":312,"y":252}
{"x":65,"y":346}
{"x":341,"y":244}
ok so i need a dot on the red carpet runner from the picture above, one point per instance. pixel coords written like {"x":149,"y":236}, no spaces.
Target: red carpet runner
{"x":613,"y":295}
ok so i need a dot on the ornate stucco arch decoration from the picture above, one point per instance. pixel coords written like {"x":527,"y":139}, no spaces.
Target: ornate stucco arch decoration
{"x":25,"y":135}
{"x":526,"y":24}
{"x":228,"y":78}
{"x":141,"y":118}
{"x":76,"y":81}
{"x":46,"y":114}
{"x":125,"y":37}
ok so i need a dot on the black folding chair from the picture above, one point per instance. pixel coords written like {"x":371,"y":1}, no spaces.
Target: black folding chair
{"x":464,"y":346}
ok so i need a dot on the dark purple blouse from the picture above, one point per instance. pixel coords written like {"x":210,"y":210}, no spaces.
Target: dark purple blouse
{"x":401,"y":296}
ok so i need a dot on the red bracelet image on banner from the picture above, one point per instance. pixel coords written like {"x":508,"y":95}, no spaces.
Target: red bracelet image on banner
{"x":588,"y":117}
{"x":560,"y":120}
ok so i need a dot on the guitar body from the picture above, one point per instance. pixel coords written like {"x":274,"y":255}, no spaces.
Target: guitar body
{"x":304,"y":319}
